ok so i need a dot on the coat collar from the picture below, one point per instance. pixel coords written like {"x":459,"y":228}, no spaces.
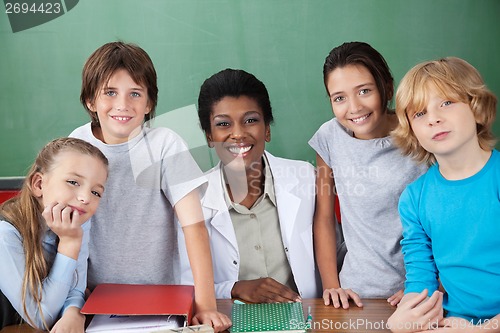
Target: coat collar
{"x":285,"y":182}
{"x":214,"y":194}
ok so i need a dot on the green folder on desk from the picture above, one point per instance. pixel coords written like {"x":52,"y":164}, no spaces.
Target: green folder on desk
{"x":268,"y":317}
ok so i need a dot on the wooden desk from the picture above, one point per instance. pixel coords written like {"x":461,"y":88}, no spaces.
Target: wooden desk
{"x":372,"y":317}
{"x":24,"y":328}
{"x":369,"y":319}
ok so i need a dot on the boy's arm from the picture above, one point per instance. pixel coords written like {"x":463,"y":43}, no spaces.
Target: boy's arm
{"x":421,"y":270}
{"x":455,"y":324}
{"x":189,"y":213}
{"x":417,"y":312}
{"x":325,"y":244}
{"x":493,"y":325}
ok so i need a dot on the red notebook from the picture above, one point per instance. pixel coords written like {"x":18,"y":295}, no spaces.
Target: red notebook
{"x":139,"y":299}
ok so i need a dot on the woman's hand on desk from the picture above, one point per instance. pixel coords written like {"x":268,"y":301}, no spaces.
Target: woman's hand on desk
{"x":264,"y":290}
{"x":340,"y":297}
{"x":219,"y":321}
{"x":72,"y":321}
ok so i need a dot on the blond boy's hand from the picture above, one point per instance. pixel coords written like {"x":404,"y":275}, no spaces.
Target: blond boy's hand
{"x":417,"y":312}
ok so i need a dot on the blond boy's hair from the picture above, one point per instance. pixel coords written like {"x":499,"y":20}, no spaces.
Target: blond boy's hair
{"x":455,"y":79}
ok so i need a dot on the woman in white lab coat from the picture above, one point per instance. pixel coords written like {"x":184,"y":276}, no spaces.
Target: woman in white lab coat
{"x":258,"y":208}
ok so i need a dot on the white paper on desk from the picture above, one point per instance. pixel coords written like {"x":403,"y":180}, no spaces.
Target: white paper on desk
{"x":133,"y":324}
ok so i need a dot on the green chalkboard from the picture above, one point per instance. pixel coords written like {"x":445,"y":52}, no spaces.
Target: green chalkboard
{"x":283,"y":42}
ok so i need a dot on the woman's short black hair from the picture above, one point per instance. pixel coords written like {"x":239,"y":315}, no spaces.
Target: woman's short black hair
{"x":231,"y":83}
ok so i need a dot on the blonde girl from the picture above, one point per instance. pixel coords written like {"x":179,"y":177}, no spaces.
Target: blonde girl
{"x":44,"y":237}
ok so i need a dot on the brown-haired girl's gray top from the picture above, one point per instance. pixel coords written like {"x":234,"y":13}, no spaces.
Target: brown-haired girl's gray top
{"x":369,"y":178}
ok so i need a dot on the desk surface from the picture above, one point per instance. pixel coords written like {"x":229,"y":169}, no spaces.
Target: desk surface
{"x":371,"y":318}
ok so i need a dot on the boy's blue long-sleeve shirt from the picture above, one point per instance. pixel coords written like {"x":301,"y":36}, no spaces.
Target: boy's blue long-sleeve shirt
{"x":451,"y":232}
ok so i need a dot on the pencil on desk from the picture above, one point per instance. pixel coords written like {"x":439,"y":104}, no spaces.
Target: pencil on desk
{"x":309,"y":317}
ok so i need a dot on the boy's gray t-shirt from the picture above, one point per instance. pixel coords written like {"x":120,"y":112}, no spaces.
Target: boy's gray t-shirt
{"x":133,"y":235}
{"x":369,"y":175}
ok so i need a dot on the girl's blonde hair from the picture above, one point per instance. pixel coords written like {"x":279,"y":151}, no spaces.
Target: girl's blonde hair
{"x":24,"y":212}
{"x":455,"y":79}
